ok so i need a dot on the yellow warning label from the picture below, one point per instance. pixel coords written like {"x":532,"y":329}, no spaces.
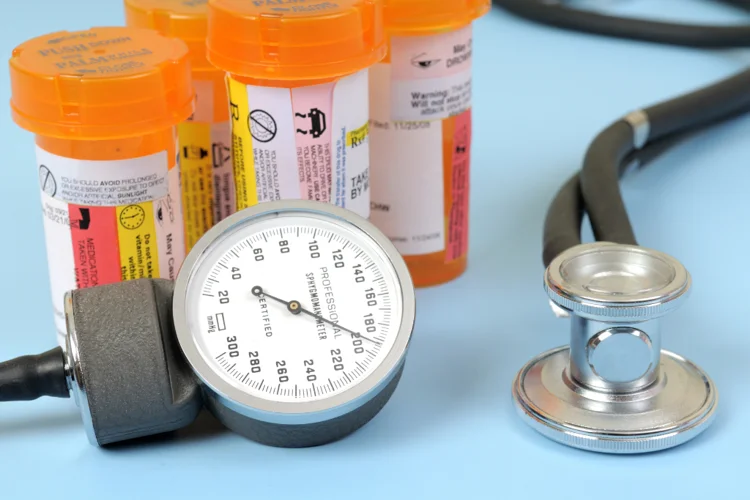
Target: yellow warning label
{"x":196,"y":171}
{"x":357,"y":136}
{"x":136,"y":234}
{"x":242,"y":146}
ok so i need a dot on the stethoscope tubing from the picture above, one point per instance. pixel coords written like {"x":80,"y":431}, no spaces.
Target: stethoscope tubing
{"x":560,"y":15}
{"x":638,"y":138}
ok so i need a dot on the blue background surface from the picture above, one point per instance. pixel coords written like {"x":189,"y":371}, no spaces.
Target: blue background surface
{"x":450,"y":430}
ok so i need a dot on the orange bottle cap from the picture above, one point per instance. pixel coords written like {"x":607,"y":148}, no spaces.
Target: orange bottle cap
{"x":183,"y":19}
{"x":102,"y":83}
{"x":414,"y":17}
{"x":295,"y":40}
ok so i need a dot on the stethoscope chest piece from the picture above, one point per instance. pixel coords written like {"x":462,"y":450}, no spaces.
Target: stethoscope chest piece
{"x":613,"y":389}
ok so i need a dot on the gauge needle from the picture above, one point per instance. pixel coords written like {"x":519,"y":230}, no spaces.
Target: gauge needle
{"x":295,"y":307}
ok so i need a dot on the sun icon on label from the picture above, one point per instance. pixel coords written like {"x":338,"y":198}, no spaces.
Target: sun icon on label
{"x":132,"y":217}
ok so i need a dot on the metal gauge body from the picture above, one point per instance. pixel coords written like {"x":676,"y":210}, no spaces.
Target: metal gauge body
{"x":296,"y":316}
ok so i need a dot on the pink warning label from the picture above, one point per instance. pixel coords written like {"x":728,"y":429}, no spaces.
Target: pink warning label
{"x":458,"y":222}
{"x":313,"y":108}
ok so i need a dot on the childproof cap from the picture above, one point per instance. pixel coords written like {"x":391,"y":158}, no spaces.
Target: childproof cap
{"x":183,"y":19}
{"x":414,"y":17}
{"x":286,"y":40}
{"x":102,"y":83}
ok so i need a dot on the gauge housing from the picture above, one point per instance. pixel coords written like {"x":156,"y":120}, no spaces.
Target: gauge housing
{"x":298,"y":423}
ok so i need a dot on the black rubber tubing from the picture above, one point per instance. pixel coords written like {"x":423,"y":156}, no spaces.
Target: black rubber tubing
{"x":562,"y":225}
{"x":612,"y":152}
{"x":559,"y":15}
{"x":668,"y":121}
{"x":30,"y":377}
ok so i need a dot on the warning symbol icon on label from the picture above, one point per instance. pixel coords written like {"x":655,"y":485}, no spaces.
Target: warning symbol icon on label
{"x":423,"y":61}
{"x":221,"y":154}
{"x":317,"y":122}
{"x":132,"y":217}
{"x":194,"y":152}
{"x":85,"y":221}
{"x":165,"y":204}
{"x":262,"y":126}
{"x":47,"y":181}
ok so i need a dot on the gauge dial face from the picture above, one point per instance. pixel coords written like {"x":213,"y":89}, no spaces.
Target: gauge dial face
{"x":294,"y":307}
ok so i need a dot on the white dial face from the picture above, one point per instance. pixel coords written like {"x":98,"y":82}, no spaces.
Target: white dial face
{"x":294,"y":308}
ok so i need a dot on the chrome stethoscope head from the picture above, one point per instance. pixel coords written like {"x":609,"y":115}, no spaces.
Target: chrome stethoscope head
{"x":613,"y":389}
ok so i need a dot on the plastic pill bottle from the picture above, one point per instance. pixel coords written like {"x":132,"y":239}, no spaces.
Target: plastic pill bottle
{"x":298,"y":90}
{"x":104,"y":105}
{"x":420,"y":134}
{"x":205,"y":141}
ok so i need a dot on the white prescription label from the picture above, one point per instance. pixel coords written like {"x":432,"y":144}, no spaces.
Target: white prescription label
{"x":306,"y":143}
{"x":60,"y":261}
{"x":431,"y":76}
{"x":271,"y":123}
{"x":407,"y":174}
{"x":351,"y":137}
{"x":103,"y":183}
{"x":109,"y":221}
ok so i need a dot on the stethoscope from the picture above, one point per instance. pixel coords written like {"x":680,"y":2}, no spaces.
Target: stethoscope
{"x":613,"y":389}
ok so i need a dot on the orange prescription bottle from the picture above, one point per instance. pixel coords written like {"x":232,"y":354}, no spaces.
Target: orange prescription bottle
{"x":420,"y":134}
{"x":205,"y":155}
{"x":298,"y":90}
{"x":104,"y":104}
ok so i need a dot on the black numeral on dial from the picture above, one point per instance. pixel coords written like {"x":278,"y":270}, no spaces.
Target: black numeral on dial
{"x":338,"y":359}
{"x":282,"y":371}
{"x":338,"y":259}
{"x":314,"y":253}
{"x":232,"y":346}
{"x":311,"y":377}
{"x":254,"y":362}
{"x":358,"y":272}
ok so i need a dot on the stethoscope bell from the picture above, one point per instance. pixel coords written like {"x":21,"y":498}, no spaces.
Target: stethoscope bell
{"x":614,"y":390}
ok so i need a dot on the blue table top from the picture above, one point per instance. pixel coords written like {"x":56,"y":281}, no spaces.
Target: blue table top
{"x":450,"y":430}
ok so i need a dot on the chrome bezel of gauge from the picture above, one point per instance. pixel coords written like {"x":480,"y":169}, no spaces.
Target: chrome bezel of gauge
{"x":293,"y":413}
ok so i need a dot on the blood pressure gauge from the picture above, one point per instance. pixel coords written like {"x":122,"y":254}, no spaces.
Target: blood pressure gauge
{"x":290,"y":321}
{"x":296,"y":319}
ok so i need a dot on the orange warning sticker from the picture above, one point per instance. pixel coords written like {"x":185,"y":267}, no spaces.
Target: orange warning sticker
{"x":458,"y":216}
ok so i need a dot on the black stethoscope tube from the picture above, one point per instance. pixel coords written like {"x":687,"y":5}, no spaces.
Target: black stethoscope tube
{"x":559,"y":15}
{"x":639,"y":137}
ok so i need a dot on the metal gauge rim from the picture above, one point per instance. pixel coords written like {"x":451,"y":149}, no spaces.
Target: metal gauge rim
{"x":294,"y":412}
{"x":576,"y":435}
